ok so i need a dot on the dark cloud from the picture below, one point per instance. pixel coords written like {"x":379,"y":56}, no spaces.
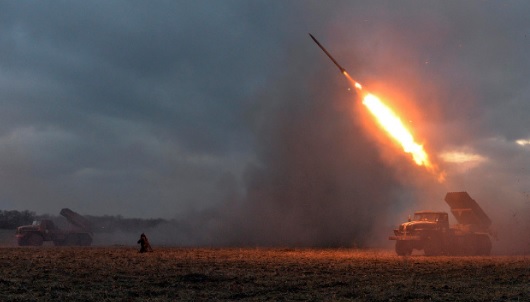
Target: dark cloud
{"x":226,"y":117}
{"x":139,"y":89}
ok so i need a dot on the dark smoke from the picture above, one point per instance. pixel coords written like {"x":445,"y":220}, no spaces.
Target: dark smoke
{"x":321,"y":177}
{"x":317,"y":179}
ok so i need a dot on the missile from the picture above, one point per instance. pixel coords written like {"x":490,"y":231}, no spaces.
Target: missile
{"x":342,"y":70}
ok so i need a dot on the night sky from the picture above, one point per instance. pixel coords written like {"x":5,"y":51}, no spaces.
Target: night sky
{"x":225,"y":116}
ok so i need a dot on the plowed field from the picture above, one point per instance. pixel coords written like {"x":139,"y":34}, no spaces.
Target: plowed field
{"x":175,"y":274}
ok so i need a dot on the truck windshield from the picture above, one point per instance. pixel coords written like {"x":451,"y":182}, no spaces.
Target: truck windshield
{"x":36,"y":222}
{"x":426,"y":217}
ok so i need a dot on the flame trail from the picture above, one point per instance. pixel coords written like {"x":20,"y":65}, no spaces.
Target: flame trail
{"x":389,"y":121}
{"x":392,"y":124}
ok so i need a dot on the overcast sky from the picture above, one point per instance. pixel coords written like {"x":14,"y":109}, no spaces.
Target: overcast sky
{"x":165,"y":108}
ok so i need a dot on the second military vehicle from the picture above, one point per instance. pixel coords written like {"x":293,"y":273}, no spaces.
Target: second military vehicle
{"x":79,"y":233}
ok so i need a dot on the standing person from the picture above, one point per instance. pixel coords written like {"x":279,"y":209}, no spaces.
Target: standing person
{"x":144,"y":244}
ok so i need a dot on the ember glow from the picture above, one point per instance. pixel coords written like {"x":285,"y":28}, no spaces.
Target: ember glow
{"x":392,"y":125}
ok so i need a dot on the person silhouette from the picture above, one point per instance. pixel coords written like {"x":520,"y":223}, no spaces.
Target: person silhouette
{"x":144,"y":244}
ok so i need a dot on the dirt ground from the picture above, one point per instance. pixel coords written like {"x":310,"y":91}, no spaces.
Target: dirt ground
{"x":180,"y":274}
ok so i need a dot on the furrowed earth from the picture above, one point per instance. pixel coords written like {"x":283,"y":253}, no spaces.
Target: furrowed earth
{"x":255,"y":274}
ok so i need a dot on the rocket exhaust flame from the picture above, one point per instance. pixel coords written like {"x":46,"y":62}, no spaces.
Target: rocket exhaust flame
{"x":393,"y":126}
{"x":390,"y":122}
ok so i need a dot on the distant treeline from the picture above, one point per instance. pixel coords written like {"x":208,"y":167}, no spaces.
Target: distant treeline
{"x":100,"y":224}
{"x":109,"y":224}
{"x":13,"y":219}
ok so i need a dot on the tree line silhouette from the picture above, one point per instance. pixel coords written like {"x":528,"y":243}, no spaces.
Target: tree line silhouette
{"x":11,"y":219}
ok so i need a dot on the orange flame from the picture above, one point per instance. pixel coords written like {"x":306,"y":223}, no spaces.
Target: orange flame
{"x":392,"y":124}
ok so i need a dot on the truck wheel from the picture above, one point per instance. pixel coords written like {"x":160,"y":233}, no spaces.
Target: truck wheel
{"x":433,"y":247}
{"x":85,"y":240}
{"x":483,"y":245}
{"x":22,"y":242}
{"x":403,"y":248}
{"x":58,"y":242}
{"x":35,"y":240}
{"x":71,"y":240}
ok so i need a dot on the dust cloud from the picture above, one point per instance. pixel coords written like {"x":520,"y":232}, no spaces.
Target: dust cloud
{"x":317,"y":181}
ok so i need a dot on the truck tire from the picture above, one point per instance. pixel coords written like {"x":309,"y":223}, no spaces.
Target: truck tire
{"x":22,"y":241}
{"x":78,"y":240}
{"x":71,"y":240}
{"x":34,"y":240}
{"x":85,"y":240}
{"x":403,"y":248}
{"x":483,"y":245}
{"x":59,"y":242}
{"x":433,"y":247}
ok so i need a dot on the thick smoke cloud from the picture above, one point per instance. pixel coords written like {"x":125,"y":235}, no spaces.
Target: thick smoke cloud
{"x":318,"y":180}
{"x":226,"y":118}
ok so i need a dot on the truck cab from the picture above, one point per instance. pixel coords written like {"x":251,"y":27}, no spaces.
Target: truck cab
{"x":438,"y":219}
{"x":421,"y":222}
{"x":36,"y":233}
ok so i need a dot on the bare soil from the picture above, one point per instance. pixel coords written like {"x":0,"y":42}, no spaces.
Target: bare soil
{"x":182,"y":274}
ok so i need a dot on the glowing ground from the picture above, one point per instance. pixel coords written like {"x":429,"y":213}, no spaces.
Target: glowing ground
{"x":122,"y":274}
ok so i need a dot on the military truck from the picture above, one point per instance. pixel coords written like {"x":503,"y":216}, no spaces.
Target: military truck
{"x":430,"y":231}
{"x":79,"y":233}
